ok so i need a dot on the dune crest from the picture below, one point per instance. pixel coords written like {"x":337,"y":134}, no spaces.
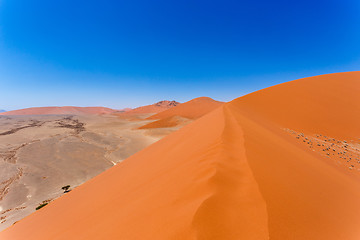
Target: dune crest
{"x":153,"y":108}
{"x":183,"y":113}
{"x":235,"y":173}
{"x":191,"y":201}
{"x":192,"y":109}
{"x":327,"y":104}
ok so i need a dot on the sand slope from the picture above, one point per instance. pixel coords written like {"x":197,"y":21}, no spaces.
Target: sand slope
{"x":248,"y":170}
{"x":183,"y":113}
{"x":153,"y":108}
{"x":173,"y":121}
{"x":60,"y":110}
{"x":192,"y":109}
{"x":327,"y":104}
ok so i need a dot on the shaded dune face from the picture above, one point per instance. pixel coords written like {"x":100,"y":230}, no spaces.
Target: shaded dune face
{"x":60,"y":110}
{"x":235,"y":173}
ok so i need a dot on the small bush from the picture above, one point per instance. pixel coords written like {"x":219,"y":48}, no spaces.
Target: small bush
{"x":41,"y":206}
{"x":65,"y":188}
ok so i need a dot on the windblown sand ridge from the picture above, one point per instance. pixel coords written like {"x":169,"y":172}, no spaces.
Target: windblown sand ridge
{"x":238,"y":172}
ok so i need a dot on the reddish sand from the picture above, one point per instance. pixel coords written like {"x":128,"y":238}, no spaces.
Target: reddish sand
{"x":235,"y":173}
{"x":167,"y":122}
{"x":154,"y":108}
{"x":184,"y":112}
{"x":60,"y":110}
{"x":192,"y":109}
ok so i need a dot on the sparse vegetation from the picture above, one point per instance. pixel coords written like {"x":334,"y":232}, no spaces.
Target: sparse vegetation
{"x":41,"y":206}
{"x":66,"y":188}
{"x":341,"y":151}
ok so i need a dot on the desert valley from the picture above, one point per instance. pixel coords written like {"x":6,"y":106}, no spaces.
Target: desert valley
{"x":279,"y":163}
{"x":48,"y":151}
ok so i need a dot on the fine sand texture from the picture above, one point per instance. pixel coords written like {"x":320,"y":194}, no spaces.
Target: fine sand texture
{"x":40,"y":154}
{"x":263,"y":166}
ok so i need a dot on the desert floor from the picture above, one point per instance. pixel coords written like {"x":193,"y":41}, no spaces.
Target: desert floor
{"x":40,"y":154}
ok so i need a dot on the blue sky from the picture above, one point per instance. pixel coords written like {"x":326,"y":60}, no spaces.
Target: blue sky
{"x":130,"y":53}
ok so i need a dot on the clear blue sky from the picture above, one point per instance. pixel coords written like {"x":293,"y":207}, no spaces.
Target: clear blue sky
{"x":136,"y":52}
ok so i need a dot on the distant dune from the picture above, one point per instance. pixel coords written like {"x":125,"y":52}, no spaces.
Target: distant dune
{"x":60,"y":110}
{"x":184,"y":112}
{"x":280,"y":163}
{"x":192,"y":109}
{"x":154,"y":108}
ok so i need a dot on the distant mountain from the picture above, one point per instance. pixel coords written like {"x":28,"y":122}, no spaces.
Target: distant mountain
{"x":2,"y":110}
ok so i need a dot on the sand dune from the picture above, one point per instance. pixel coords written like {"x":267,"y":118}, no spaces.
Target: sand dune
{"x":269,"y":165}
{"x":153,"y":108}
{"x":183,"y":113}
{"x":192,"y":109}
{"x":60,"y":110}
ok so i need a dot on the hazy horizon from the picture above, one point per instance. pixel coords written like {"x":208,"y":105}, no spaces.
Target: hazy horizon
{"x":137,"y":53}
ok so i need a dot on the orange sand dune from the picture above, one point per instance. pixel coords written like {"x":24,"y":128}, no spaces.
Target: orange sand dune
{"x":192,"y":109}
{"x":326,"y":104}
{"x":172,"y":121}
{"x":154,"y":108}
{"x":60,"y":110}
{"x":235,"y":173}
{"x":184,"y":112}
